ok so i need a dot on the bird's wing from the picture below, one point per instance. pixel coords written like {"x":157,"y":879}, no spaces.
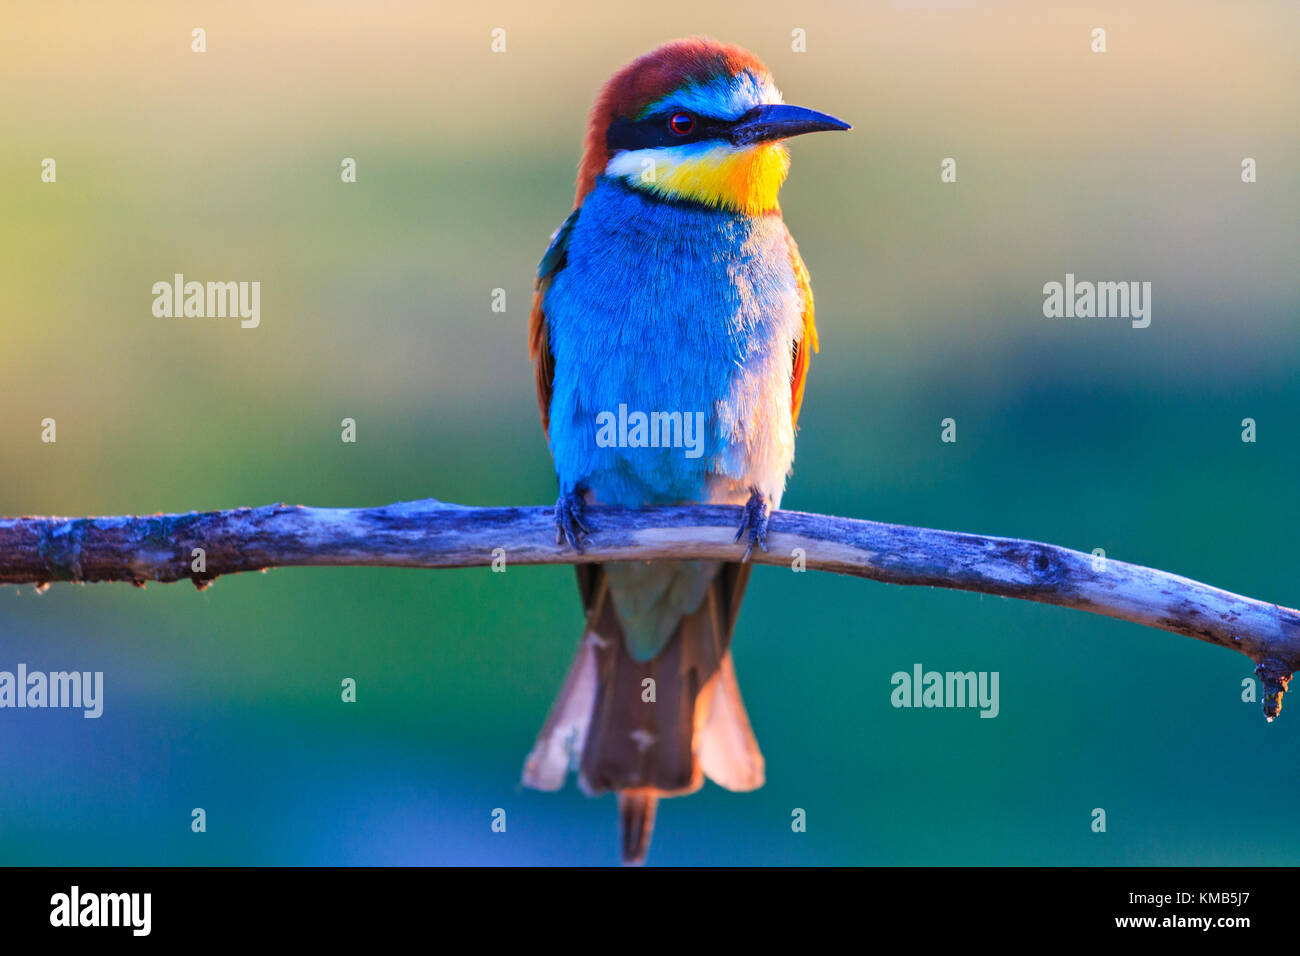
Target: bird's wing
{"x":539,"y":343}
{"x":806,"y":344}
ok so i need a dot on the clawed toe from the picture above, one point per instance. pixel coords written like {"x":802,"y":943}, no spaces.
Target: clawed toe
{"x":569,"y":525}
{"x":754,"y":517}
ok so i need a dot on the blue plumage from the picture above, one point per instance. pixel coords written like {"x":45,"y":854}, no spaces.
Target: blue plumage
{"x":671,"y":307}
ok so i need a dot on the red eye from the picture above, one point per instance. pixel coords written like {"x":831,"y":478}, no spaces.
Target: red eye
{"x":681,"y":123}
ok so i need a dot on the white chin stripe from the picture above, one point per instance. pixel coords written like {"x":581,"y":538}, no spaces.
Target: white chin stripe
{"x":649,"y":166}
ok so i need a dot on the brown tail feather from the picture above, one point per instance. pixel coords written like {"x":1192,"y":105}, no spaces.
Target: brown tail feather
{"x":724,"y":743}
{"x":644,"y":750}
{"x":636,"y":817}
{"x":634,"y":742}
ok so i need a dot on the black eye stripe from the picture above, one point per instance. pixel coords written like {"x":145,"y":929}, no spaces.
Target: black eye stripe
{"x":653,"y":131}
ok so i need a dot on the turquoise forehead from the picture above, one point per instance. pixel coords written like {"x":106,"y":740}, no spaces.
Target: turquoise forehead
{"x":721,"y":97}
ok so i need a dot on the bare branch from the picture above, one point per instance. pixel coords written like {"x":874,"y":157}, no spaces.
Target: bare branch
{"x":431,"y":534}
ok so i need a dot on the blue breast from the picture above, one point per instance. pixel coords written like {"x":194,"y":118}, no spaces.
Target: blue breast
{"x":665,"y":307}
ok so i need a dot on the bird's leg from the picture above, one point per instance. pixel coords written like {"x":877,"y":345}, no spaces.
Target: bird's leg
{"x":754,"y":517}
{"x":568,"y":519}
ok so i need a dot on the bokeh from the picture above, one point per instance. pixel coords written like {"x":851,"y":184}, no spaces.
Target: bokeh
{"x":376,"y":305}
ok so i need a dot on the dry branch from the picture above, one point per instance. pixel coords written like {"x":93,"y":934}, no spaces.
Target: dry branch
{"x":431,"y":534}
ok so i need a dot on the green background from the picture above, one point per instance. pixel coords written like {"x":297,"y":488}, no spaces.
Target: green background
{"x":376,"y":306}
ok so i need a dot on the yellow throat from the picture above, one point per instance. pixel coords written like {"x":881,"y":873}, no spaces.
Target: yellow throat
{"x":745,"y":180}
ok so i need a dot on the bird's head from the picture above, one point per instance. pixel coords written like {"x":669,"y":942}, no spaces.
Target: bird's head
{"x":697,"y":120}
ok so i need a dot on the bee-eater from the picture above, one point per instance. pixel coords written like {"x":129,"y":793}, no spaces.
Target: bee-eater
{"x":672,"y":300}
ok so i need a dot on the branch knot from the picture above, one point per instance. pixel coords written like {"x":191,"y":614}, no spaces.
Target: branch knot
{"x":1275,"y":676}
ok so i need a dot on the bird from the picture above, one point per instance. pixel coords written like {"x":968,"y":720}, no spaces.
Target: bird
{"x":670,"y":334}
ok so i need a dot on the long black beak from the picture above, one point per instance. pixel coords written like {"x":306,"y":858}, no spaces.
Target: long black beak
{"x":780,"y":122}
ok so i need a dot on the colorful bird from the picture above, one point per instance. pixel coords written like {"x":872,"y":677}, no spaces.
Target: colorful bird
{"x":671,"y":330}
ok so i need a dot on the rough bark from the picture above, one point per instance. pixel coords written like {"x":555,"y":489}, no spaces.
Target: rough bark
{"x":431,"y":534}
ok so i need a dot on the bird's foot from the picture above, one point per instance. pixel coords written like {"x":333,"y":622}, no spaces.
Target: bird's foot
{"x":754,"y":517}
{"x":569,"y":525}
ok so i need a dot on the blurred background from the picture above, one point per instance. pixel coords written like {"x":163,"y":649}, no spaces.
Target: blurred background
{"x":376,"y":305}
